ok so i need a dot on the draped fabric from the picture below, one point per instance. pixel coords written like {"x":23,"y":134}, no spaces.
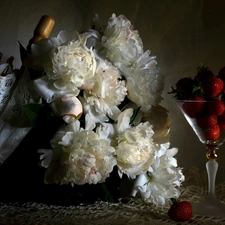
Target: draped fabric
{"x":182,"y":34}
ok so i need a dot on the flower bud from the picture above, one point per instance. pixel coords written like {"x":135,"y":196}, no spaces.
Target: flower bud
{"x":67,"y":105}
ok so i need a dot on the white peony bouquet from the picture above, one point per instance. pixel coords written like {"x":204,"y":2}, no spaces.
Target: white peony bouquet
{"x":107,"y":90}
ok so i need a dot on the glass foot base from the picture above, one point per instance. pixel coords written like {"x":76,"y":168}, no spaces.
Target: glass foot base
{"x":209,"y":207}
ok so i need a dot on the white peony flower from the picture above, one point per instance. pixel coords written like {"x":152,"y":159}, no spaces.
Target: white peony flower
{"x":66,"y":60}
{"x":144,"y":83}
{"x":105,"y":75}
{"x":80,"y":156}
{"x":135,"y":148}
{"x":106,"y":94}
{"x":163,"y":178}
{"x":123,"y":44}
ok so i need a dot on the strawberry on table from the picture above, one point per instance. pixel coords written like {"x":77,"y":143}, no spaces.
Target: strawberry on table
{"x":180,"y":211}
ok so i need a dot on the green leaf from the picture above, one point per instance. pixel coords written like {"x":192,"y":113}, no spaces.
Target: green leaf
{"x":33,"y":112}
{"x":134,"y":115}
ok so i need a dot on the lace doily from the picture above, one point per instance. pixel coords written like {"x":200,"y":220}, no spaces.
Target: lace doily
{"x":14,"y":92}
{"x":101,"y":213}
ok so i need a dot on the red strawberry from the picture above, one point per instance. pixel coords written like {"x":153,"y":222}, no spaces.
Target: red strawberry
{"x":194,"y":106}
{"x":180,"y":211}
{"x":216,"y":107}
{"x":212,"y":86}
{"x":221,"y":74}
{"x":202,"y":73}
{"x":221,"y":121}
{"x":183,"y":89}
{"x":212,"y":134}
{"x":207,"y":121}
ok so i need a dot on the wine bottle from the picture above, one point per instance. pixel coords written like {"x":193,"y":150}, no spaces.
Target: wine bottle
{"x":42,"y":31}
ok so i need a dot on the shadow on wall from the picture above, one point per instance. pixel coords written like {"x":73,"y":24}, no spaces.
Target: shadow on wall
{"x":182,"y":34}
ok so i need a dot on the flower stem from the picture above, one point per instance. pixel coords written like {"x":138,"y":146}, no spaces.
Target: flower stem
{"x":107,"y":192}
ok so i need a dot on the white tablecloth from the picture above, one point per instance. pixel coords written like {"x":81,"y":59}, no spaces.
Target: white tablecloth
{"x":134,"y":212}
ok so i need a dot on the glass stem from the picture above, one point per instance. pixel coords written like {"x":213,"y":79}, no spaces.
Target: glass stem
{"x":211,"y":167}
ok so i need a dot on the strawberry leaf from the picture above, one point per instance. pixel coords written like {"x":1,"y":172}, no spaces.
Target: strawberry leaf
{"x":196,"y":88}
{"x":174,"y":200}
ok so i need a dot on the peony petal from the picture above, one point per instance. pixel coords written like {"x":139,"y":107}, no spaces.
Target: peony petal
{"x":140,"y":182}
{"x":124,"y":120}
{"x":46,"y":89}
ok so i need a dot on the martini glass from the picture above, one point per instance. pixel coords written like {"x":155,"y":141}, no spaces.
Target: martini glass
{"x":191,"y":111}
